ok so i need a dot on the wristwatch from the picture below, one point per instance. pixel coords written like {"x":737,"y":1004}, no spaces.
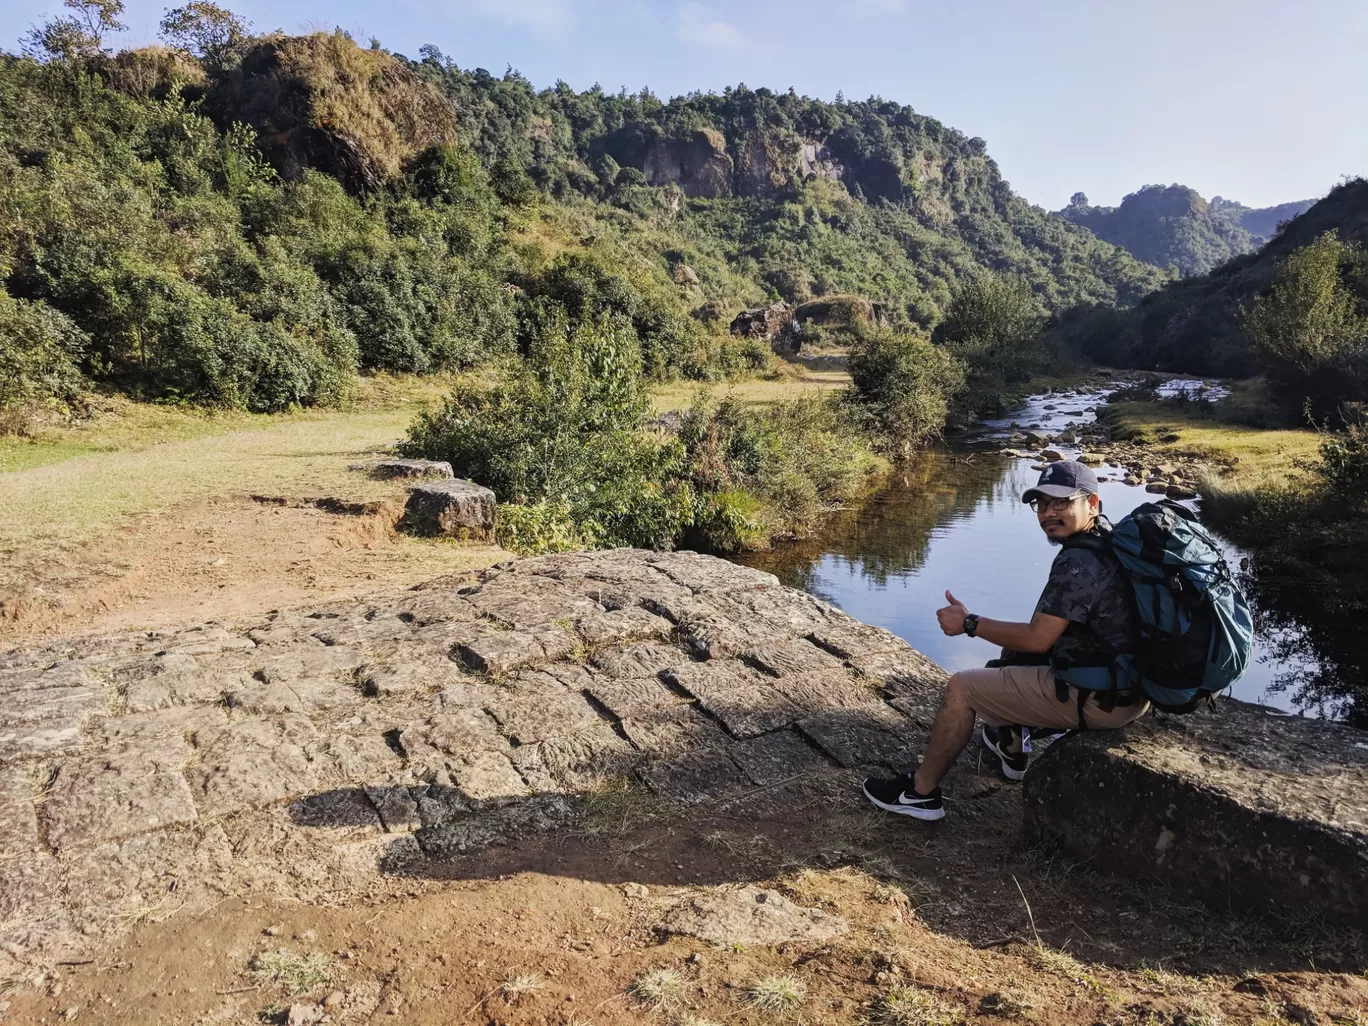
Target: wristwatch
{"x":971,"y":625}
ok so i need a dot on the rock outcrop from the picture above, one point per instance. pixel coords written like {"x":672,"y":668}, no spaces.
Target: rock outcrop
{"x":425,"y":470}
{"x":772,"y":323}
{"x":312,"y":751}
{"x":698,"y":164}
{"x":1242,"y":808}
{"x":320,"y":101}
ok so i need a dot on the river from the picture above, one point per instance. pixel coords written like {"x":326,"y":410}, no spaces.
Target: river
{"x":954,"y":520}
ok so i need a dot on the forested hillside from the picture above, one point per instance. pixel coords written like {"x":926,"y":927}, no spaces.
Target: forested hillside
{"x":1297,"y":309}
{"x":1174,"y":226}
{"x":251,"y":220}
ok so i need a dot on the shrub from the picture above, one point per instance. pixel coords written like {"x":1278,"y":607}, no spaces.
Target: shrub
{"x":994,"y":327}
{"x":902,"y":384}
{"x":39,"y":350}
{"x":565,"y":428}
{"x":1344,"y":465}
{"x":770,"y":471}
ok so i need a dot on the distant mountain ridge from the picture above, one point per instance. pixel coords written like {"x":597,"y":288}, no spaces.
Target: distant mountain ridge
{"x":1196,"y":324}
{"x":1175,"y":225}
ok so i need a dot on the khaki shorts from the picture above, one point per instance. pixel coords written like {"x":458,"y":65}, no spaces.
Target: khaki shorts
{"x":1025,"y":696}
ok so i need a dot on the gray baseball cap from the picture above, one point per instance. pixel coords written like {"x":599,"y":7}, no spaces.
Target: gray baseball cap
{"x":1061,"y":480}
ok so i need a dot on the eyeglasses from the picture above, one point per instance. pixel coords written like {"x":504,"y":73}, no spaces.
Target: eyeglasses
{"x":1056,"y":505}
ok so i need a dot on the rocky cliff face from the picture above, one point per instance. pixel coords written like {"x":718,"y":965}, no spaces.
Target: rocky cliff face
{"x":761,"y":164}
{"x":699,"y":164}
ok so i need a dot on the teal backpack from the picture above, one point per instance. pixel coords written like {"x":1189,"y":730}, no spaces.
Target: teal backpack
{"x":1195,"y":632}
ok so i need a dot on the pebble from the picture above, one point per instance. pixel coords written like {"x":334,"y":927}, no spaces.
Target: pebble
{"x":333,"y":1000}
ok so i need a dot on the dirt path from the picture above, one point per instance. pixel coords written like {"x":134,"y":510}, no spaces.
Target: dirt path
{"x":155,"y":534}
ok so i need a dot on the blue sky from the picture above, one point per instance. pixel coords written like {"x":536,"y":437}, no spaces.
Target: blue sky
{"x":1255,"y":100}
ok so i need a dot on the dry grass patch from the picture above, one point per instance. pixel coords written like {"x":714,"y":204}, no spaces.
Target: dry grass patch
{"x":518,"y":986}
{"x":657,"y":988}
{"x":911,"y":1006}
{"x":295,"y":973}
{"x":615,"y":808}
{"x":756,"y":391}
{"x":777,"y":993}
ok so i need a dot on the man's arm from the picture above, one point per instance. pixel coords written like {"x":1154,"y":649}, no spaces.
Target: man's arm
{"x":1037,"y":636}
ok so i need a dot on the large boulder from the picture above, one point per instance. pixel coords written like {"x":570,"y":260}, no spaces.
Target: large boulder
{"x":1242,"y":807}
{"x":767,"y":322}
{"x":457,"y":508}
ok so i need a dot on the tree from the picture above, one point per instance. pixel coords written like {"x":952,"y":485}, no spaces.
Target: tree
{"x":77,"y":35}
{"x":210,"y":32}
{"x":902,"y":384}
{"x":1309,"y":329}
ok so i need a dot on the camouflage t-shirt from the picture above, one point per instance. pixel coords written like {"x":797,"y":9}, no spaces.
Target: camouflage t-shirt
{"x":1088,"y":589}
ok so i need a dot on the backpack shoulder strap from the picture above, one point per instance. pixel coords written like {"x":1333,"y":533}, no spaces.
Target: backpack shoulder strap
{"x":1097,"y":540}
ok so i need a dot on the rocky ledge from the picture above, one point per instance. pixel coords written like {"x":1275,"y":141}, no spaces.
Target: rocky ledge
{"x":1242,"y":808}
{"x":316,"y":751}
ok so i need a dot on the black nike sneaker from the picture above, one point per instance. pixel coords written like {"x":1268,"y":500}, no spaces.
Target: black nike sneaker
{"x":900,"y":795}
{"x":999,"y":741}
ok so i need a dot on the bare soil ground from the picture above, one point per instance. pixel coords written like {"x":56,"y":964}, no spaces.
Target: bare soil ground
{"x":571,"y":931}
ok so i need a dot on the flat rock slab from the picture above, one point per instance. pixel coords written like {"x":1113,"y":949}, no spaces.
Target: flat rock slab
{"x":313,"y":749}
{"x":400,"y":469}
{"x":455,"y":508}
{"x":1241,"y":807}
{"x":752,"y":916}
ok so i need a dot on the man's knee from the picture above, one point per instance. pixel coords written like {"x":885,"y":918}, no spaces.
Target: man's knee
{"x":957,"y":689}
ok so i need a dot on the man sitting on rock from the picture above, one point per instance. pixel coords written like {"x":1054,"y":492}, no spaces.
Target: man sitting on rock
{"x":1082,"y":622}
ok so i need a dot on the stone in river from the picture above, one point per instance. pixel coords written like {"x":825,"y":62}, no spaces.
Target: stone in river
{"x":1178,"y":491}
{"x":1090,"y":459}
{"x":1052,"y":456}
{"x":1158,"y":487}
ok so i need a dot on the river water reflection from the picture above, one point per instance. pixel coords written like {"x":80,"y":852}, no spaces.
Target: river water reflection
{"x":955,"y":520}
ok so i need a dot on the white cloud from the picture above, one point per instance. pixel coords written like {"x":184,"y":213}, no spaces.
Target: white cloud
{"x":545,"y":17}
{"x":702,"y":27}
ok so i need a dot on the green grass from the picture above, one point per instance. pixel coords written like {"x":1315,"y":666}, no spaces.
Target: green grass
{"x":1166,"y":427}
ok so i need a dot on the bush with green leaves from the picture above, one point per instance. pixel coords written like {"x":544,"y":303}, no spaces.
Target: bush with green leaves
{"x":39,"y":353}
{"x":770,"y":472}
{"x":993,"y":325}
{"x":901,"y":384}
{"x":1344,"y":465}
{"x":565,"y":429}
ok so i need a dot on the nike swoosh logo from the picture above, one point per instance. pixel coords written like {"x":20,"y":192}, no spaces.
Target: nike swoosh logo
{"x":904,"y":800}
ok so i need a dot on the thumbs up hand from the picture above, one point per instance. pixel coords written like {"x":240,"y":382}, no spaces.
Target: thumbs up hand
{"x":951,"y":617}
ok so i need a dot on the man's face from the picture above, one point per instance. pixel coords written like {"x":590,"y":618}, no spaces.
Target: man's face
{"x":1076,"y":516}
